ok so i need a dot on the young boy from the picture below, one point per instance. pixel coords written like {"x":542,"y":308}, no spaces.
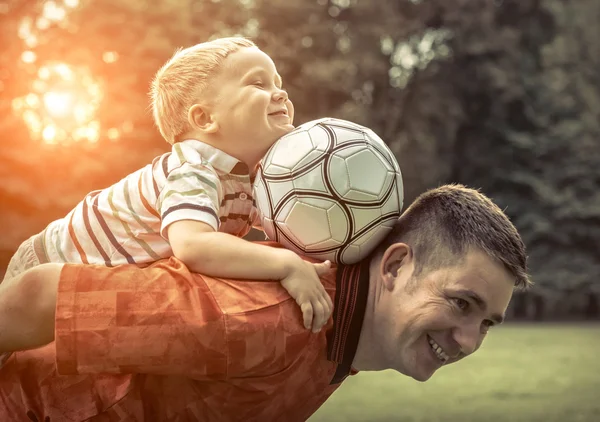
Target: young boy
{"x":221,"y":105}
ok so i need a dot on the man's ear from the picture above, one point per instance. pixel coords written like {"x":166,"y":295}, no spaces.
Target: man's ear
{"x":200,"y":119}
{"x":395,"y":257}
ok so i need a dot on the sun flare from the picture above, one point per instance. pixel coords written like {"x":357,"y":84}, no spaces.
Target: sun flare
{"x":62,"y":105}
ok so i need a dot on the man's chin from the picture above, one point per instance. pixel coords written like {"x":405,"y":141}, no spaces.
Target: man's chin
{"x":422,"y":377}
{"x":422,"y":374}
{"x":418,"y":374}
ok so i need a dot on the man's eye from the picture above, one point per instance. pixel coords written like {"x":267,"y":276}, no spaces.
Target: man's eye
{"x":461,"y":303}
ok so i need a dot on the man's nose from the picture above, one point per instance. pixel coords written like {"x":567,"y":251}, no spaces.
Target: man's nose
{"x":468,"y":338}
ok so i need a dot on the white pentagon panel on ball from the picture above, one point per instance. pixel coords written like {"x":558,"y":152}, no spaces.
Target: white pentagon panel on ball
{"x":370,"y":198}
{"x":271,"y":170}
{"x":322,"y":247}
{"x":282,"y":212}
{"x":363,"y":216}
{"x":362,"y":246}
{"x":311,"y":180}
{"x":393,"y":203}
{"x":368,"y":172}
{"x":358,"y":196}
{"x":338,"y":169}
{"x":279,"y":190}
{"x":346,"y":133}
{"x":337,"y":175}
{"x":287,"y":237}
{"x":311,"y":159}
{"x":307,"y":220}
{"x":321,"y":138}
{"x":349,"y":149}
{"x":288,"y":151}
{"x":374,"y":139}
{"x":339,"y":222}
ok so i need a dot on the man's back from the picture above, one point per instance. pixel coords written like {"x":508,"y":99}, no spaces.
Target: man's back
{"x":230,"y":350}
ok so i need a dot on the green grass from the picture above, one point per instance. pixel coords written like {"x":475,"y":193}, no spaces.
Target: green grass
{"x":526,"y":373}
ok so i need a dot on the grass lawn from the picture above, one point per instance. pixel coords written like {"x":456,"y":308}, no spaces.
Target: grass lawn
{"x":528,"y":373}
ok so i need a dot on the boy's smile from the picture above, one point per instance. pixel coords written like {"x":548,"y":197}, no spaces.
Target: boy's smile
{"x":251,"y":109}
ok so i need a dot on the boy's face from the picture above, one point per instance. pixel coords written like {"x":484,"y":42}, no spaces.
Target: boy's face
{"x":250,"y":107}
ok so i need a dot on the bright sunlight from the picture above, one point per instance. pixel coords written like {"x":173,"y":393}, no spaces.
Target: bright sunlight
{"x":62,"y":105}
{"x":63,"y":101}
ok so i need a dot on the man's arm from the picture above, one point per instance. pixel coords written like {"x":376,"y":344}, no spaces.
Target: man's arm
{"x":27,"y":308}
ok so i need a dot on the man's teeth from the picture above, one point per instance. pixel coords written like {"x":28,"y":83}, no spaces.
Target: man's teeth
{"x":439,"y":352}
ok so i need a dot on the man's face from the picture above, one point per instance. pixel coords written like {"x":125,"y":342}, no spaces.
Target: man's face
{"x":440,"y":316}
{"x":251,"y":108}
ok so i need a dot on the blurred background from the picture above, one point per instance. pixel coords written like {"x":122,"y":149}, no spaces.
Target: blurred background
{"x":502,"y":95}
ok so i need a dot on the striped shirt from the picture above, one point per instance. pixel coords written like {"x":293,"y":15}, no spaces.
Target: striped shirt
{"x":127,"y":222}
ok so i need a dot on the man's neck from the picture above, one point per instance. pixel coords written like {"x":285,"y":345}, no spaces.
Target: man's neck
{"x":367,"y":346}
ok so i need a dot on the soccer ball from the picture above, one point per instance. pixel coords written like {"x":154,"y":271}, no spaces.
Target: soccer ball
{"x":330,"y":189}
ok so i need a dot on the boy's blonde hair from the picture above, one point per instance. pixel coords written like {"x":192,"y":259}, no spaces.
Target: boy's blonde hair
{"x":179,"y":82}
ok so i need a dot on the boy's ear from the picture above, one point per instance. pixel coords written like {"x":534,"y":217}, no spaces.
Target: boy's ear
{"x":200,"y":118}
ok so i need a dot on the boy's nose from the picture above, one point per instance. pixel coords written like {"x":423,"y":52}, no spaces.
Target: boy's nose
{"x":280,"y":96}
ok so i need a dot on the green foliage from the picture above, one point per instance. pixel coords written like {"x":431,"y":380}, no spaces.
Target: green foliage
{"x":501,"y":95}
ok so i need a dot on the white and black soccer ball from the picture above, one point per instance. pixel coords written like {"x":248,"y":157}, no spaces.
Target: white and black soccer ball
{"x":330,"y":189}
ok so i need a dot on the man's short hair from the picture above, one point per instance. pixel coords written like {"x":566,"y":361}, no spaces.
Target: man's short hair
{"x":184,"y":78}
{"x":443,"y":224}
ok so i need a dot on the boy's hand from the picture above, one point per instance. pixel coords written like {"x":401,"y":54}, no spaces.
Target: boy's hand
{"x":304,"y":285}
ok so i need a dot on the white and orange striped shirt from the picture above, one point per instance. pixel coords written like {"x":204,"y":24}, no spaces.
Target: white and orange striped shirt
{"x":127,"y":222}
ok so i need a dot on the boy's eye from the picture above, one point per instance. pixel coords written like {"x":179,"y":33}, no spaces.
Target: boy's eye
{"x":258,"y":84}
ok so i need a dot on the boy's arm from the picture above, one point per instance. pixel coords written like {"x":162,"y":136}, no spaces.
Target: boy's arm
{"x":218,"y":254}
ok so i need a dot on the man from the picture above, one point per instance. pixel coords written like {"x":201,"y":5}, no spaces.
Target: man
{"x":163,"y":344}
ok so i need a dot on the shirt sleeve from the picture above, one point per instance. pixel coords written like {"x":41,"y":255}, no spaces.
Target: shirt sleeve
{"x":156,"y":320}
{"x":191,"y":192}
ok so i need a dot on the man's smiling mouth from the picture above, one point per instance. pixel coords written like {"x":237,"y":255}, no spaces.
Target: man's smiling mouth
{"x":437,"y":350}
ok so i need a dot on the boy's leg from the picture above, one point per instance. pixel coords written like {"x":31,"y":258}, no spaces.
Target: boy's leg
{"x":23,"y":259}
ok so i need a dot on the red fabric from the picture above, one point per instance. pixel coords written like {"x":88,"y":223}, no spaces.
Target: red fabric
{"x":163,"y":344}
